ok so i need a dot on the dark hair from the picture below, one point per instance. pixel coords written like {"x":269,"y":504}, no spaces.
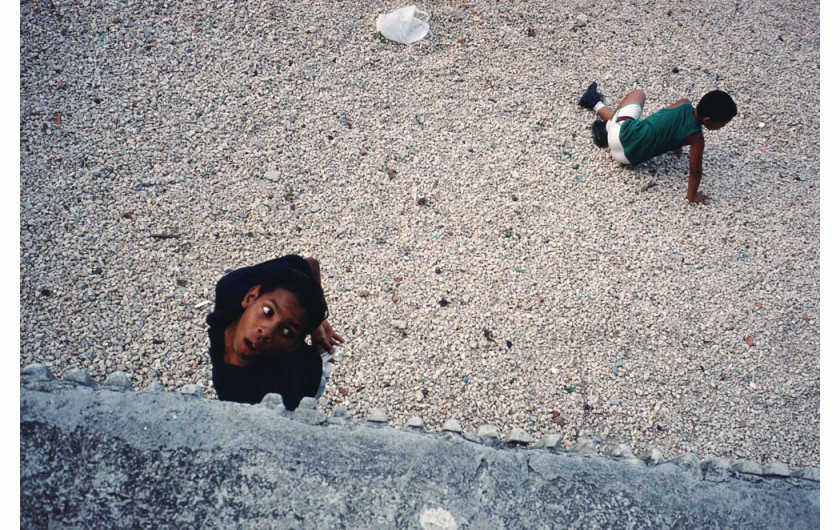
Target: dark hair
{"x":718,"y":106}
{"x":309,"y":294}
{"x":599,"y":133}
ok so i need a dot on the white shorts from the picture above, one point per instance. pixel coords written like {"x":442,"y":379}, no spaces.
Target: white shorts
{"x":631,"y":111}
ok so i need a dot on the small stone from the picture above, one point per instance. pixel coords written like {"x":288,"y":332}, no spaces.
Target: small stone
{"x":37,"y":372}
{"x":118,"y":381}
{"x":415,"y":422}
{"x":652,"y":456}
{"x":716,"y":464}
{"x":437,"y":519}
{"x":452,"y":425}
{"x":273,"y":401}
{"x":618,"y":451}
{"x":686,"y":460}
{"x":378,"y":415}
{"x":78,"y":375}
{"x":584,"y":447}
{"x":776,"y":469}
{"x":399,"y":324}
{"x":488,"y":431}
{"x":307,"y":402}
{"x":339,"y":412}
{"x":750,"y":467}
{"x":193,"y":390}
{"x":154,"y":386}
{"x":362,"y":293}
{"x":549,"y":441}
{"x":808,"y":473}
{"x":309,"y":416}
{"x":517,"y":436}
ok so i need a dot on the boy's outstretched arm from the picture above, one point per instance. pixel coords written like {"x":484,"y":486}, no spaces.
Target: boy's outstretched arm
{"x":324,"y":336}
{"x":697,"y":143}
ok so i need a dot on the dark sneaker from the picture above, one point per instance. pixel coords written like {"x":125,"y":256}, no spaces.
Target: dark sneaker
{"x":599,"y":133}
{"x":590,"y":97}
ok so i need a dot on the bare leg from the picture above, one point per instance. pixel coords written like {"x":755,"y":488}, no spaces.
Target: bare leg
{"x":636,"y":96}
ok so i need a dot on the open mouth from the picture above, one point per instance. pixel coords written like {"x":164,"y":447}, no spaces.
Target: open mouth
{"x":250,"y":347}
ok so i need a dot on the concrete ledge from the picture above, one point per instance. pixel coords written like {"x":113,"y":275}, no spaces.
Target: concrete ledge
{"x":99,"y":458}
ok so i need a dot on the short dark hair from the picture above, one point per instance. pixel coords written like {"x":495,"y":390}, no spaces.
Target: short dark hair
{"x":718,"y":106}
{"x":309,"y":293}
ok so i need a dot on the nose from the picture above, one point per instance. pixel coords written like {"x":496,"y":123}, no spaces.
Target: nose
{"x":265,"y":331}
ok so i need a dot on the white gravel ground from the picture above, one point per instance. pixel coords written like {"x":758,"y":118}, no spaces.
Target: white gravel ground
{"x":506,"y":272}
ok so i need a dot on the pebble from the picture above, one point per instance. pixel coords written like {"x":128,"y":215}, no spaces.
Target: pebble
{"x":686,"y":460}
{"x":750,"y":467}
{"x":378,"y":415}
{"x":777,"y":469}
{"x":307,"y":403}
{"x":77,"y":375}
{"x":452,"y":425}
{"x":192,"y":390}
{"x":550,"y":441}
{"x":37,"y":372}
{"x":517,"y":436}
{"x":154,"y":386}
{"x":118,"y":381}
{"x":273,"y":401}
{"x":652,"y":456}
{"x":716,"y":464}
{"x":487,"y":431}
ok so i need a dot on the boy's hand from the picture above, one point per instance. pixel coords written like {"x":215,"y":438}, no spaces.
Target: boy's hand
{"x":324,"y":338}
{"x":699,"y":196}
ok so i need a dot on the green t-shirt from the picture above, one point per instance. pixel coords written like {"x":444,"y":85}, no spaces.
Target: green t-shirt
{"x":662,"y":131}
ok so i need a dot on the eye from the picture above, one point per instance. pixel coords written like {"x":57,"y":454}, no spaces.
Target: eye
{"x":267,"y":311}
{"x":287,"y":332}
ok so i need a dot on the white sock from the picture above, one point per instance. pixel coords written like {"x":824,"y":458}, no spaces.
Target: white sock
{"x":598,"y":106}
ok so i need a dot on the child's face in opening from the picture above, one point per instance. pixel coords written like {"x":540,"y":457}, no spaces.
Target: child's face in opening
{"x":272,"y":324}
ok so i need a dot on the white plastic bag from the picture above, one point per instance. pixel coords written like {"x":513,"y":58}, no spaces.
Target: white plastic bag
{"x":405,"y":25}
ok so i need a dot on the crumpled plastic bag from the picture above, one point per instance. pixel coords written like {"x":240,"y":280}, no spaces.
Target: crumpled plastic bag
{"x":405,"y":25}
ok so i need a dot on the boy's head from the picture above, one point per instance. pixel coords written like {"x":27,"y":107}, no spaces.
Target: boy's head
{"x":277,"y":316}
{"x":309,"y":293}
{"x":716,"y":109}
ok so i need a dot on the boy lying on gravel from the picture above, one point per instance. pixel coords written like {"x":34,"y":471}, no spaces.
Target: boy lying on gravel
{"x":633,"y":141}
{"x":258,"y":329}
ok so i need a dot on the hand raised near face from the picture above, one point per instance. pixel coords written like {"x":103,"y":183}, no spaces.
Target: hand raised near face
{"x":324,"y":338}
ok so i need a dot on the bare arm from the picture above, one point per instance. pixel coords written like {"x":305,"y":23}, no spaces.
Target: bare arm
{"x":314,"y":269}
{"x":695,"y":167}
{"x":324,"y":336}
{"x":678,"y":103}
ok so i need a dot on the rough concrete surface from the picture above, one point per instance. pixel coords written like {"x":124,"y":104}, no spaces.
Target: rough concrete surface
{"x":106,"y":458}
